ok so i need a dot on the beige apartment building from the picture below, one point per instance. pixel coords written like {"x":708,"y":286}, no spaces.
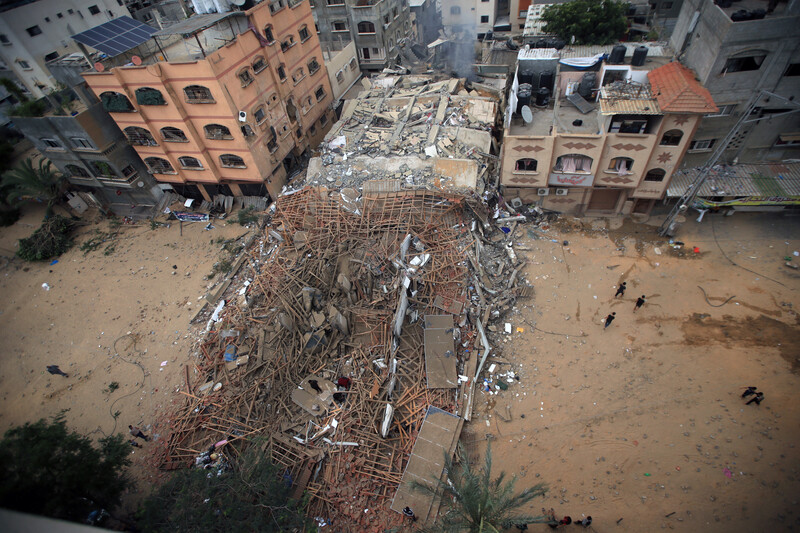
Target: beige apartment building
{"x":232,"y":107}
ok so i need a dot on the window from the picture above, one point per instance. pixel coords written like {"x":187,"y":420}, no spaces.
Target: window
{"x":287,"y":43}
{"x":316,"y":27}
{"x":792,"y":70}
{"x":312,"y":3}
{"x":319,"y":93}
{"x":312,"y":130}
{"x":272,"y":99}
{"x":276,"y":5}
{"x":24,"y":65}
{"x":655,"y":174}
{"x":455,"y":10}
{"x":340,"y":77}
{"x":298,"y":75}
{"x":190,"y":163}
{"x":724,"y":111}
{"x":700,"y":146}
{"x":386,"y":20}
{"x":282,"y":72}
{"x":335,"y":2}
{"x":247,"y":131}
{"x":197,"y":94}
{"x":366,"y":27}
{"x":149,"y":96}
{"x":33,"y":31}
{"x":313,"y":65}
{"x":102,"y":169}
{"x":245,"y":77}
{"x":484,"y":19}
{"x":139,"y":136}
{"x":70,"y":11}
{"x":353,"y":65}
{"x":94,"y":10}
{"x":620,"y":165}
{"x":51,"y":56}
{"x":323,"y":120}
{"x":259,"y":64}
{"x":4,"y":39}
{"x":128,"y":171}
{"x":76,"y":171}
{"x":231,"y":161}
{"x":217,"y":132}
{"x":81,"y":143}
{"x":304,"y":35}
{"x":50,"y":143}
{"x":173,"y":135}
{"x":743,"y":63}
{"x":671,"y":138}
{"x":394,"y":12}
{"x":269,"y":35}
{"x":790,"y":139}
{"x":59,"y":15}
{"x":260,"y":115}
{"x":573,"y":164}
{"x":526,"y":165}
{"x":159,"y":165}
{"x":339,"y":25}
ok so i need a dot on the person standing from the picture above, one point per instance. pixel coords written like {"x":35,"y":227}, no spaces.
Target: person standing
{"x":409,"y":513}
{"x":621,"y":289}
{"x":749,"y":392}
{"x":586,"y":522}
{"x":136,"y":432}
{"x":609,"y":319}
{"x":639,"y":303}
{"x":54,"y":370}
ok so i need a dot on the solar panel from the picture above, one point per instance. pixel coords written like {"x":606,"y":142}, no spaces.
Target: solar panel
{"x":116,"y":36}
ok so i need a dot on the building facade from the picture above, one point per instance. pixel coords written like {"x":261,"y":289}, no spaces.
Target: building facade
{"x":35,"y":32}
{"x":376,"y":27}
{"x":343,"y":69}
{"x":736,"y":51}
{"x":425,"y":20}
{"x":615,"y":154}
{"x":474,"y":17}
{"x":237,"y":113}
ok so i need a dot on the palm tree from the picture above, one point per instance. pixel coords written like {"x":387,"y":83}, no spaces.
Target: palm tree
{"x":26,"y":182}
{"x":479,"y":504}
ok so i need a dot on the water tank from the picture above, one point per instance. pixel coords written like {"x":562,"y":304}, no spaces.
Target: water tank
{"x":741,"y":15}
{"x":617,"y":55}
{"x":639,"y":55}
{"x":546,"y":80}
{"x":525,"y":77}
{"x":758,"y":14}
{"x":587,"y":85}
{"x":523,"y":96}
{"x":542,"y":96}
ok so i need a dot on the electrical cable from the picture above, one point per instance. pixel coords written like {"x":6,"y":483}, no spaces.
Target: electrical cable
{"x":714,"y":233}
{"x":709,"y":303}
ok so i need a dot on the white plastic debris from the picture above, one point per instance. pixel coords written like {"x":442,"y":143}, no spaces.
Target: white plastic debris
{"x":45,"y":286}
{"x":508,"y":327}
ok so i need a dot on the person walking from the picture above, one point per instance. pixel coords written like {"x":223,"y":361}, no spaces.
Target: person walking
{"x":586,"y":522}
{"x":54,"y":370}
{"x":409,"y":513}
{"x":757,"y":398}
{"x":314,"y":385}
{"x":609,"y":319}
{"x":639,"y":303}
{"x":749,"y":392}
{"x":136,"y":432}
{"x":621,"y":289}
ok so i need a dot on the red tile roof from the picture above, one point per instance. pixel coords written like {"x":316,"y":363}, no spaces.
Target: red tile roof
{"x":677,"y":90}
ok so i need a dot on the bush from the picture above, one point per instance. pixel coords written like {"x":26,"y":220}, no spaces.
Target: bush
{"x":50,"y":240}
{"x":247,"y":215}
{"x":31,"y":108}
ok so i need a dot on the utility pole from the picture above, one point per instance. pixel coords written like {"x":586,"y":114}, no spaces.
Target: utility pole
{"x":671,"y":223}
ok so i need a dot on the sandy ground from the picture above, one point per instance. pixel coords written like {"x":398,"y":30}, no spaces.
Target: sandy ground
{"x":644,"y":421}
{"x":86,"y":323}
{"x":635,"y":422}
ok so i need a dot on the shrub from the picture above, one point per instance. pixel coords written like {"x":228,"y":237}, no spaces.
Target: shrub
{"x":50,"y":240}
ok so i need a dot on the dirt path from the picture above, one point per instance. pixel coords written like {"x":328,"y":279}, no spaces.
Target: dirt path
{"x":645,"y":419}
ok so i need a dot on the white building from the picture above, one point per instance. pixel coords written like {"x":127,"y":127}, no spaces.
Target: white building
{"x":474,"y":16}
{"x":34,"y":32}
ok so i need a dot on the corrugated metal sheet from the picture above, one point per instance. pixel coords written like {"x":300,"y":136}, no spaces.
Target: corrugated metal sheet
{"x":538,"y":53}
{"x":770,"y":179}
{"x":654,"y":49}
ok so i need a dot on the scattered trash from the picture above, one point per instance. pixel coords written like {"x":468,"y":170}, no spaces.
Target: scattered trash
{"x":45,"y":286}
{"x":163,"y":363}
{"x":54,"y":261}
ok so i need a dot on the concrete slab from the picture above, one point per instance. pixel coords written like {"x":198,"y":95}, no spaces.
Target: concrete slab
{"x":440,"y":354}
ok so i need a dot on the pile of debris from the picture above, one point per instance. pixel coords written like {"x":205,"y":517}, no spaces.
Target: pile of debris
{"x":349,"y":320}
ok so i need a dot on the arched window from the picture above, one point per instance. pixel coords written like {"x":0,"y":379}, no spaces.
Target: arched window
{"x":366,"y":26}
{"x":313,"y":66}
{"x":573,"y":164}
{"x":197,"y":94}
{"x":270,"y":36}
{"x":303,"y":33}
{"x":159,"y":165}
{"x":526,"y":165}
{"x":116,"y":102}
{"x":340,"y":77}
{"x":298,"y":75}
{"x":245,"y":77}
{"x":78,"y":172}
{"x":139,"y":136}
{"x":455,"y":10}
{"x":102,"y":169}
{"x":287,"y":43}
{"x":190,"y":163}
{"x":217,"y":132}
{"x":149,"y":96}
{"x":260,"y":114}
{"x":173,"y":135}
{"x":259,"y":64}
{"x":621,"y":165}
{"x":231,"y":161}
{"x":247,"y":131}
{"x":671,"y":138}
{"x":655,"y":174}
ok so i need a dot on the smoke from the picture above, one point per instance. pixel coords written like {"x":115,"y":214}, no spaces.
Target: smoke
{"x":461,"y":53}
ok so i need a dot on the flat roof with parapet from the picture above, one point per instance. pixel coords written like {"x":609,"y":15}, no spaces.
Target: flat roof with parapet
{"x":197,"y":23}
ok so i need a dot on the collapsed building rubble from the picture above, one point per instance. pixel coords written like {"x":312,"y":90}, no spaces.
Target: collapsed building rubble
{"x":343,"y":324}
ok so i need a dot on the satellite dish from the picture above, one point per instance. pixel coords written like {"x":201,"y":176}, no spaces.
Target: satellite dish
{"x":136,"y":60}
{"x":527,"y":115}
{"x":99,"y":67}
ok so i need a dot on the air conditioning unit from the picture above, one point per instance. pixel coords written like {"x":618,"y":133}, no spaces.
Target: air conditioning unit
{"x":542,"y":192}
{"x":562,"y":192}
{"x":242,"y":116}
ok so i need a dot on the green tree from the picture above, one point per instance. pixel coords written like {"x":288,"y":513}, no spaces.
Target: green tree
{"x":28,"y":182}
{"x":250,"y":496}
{"x":588,"y":21}
{"x":477,"y":503}
{"x":52,"y":471}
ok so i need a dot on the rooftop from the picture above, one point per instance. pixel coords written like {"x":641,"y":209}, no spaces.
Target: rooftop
{"x":628,"y":98}
{"x":678,"y":91}
{"x":746,"y":10}
{"x":770,"y":179}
